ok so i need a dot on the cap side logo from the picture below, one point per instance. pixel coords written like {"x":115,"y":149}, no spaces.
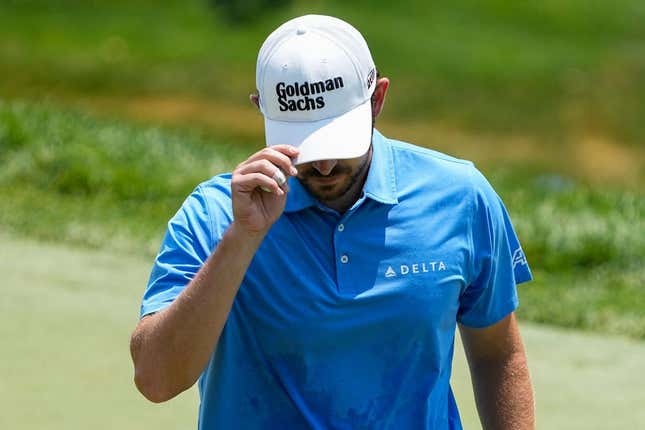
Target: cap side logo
{"x":370,"y":78}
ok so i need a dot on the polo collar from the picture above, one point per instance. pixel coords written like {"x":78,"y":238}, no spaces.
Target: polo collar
{"x":380,"y":184}
{"x":381,"y":178}
{"x":298,"y":197}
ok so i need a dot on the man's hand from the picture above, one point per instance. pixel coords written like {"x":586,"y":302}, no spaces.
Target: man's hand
{"x":255,"y":209}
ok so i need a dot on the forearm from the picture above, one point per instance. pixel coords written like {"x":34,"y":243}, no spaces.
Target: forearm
{"x":170,"y":349}
{"x":504,"y":394}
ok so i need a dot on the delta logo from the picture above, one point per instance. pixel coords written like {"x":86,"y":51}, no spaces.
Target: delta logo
{"x":519,"y":258}
{"x":305,"y":96}
{"x":414,"y":268}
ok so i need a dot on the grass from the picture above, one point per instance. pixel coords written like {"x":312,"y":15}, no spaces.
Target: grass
{"x":68,"y":313}
{"x":97,"y":182}
{"x":551,"y":69}
{"x":68,"y":177}
{"x":66,"y":320}
{"x":585,"y":245}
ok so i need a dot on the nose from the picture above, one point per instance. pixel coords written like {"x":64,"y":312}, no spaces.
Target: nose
{"x":324,"y":167}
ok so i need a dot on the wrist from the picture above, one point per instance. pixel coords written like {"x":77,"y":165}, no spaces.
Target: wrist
{"x":245,"y":236}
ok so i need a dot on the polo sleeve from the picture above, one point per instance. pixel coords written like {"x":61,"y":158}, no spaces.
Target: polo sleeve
{"x":186,"y":245}
{"x":497,"y":261}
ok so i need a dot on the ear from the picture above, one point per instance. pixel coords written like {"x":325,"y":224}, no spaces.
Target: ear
{"x":378,"y":98}
{"x":255,"y":99}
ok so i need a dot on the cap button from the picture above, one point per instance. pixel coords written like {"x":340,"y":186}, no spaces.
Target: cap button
{"x":300,"y":31}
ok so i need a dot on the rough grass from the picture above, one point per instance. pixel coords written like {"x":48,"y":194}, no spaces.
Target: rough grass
{"x":586,"y":246}
{"x":68,"y":177}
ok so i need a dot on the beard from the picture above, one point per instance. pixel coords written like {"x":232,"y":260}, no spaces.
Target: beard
{"x":347,"y":178}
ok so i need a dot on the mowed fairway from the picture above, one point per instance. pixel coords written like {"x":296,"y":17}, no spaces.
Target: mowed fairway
{"x":67,"y":314}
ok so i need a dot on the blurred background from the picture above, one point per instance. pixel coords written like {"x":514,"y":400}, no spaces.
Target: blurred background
{"x":112,"y":111}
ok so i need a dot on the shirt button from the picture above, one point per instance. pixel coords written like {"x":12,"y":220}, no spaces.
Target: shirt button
{"x":344,"y":259}
{"x":341,"y":227}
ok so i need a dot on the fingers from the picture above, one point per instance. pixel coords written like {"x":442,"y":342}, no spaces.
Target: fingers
{"x":251,"y":181}
{"x":266,"y":169}
{"x":279,"y":155}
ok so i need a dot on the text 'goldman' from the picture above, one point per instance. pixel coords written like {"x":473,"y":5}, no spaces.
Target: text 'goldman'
{"x":297,"y":96}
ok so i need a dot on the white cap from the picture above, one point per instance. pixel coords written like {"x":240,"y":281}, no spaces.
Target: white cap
{"x":315,"y":77}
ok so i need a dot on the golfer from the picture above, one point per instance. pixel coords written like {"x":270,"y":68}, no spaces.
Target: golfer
{"x":320,"y":285}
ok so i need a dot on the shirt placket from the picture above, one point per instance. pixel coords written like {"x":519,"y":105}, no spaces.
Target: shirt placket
{"x":344,"y":250}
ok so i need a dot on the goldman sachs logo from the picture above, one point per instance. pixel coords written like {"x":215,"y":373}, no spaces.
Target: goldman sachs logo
{"x":300,"y":96}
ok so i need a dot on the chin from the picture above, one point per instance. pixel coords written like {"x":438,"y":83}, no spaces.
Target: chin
{"x":328,"y":192}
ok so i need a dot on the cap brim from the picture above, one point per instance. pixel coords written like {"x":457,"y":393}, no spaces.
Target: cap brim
{"x":345,"y":136}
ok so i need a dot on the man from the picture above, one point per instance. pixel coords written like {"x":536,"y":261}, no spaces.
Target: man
{"x":331,"y":301}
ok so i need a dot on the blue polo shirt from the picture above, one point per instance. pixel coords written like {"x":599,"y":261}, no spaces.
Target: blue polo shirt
{"x":347,"y":321}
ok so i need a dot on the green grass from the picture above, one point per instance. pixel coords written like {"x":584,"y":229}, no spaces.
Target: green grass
{"x":66,"y":320}
{"x":585,"y":245}
{"x":581,"y":381}
{"x":550,"y":68}
{"x":68,"y":177}
{"x":67,"y":314}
